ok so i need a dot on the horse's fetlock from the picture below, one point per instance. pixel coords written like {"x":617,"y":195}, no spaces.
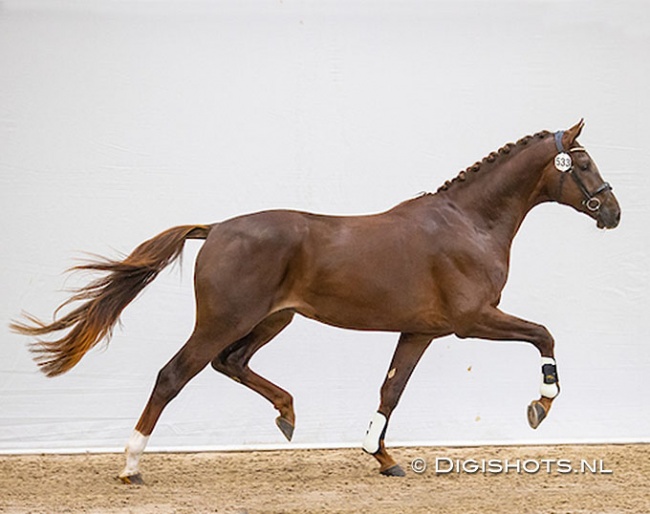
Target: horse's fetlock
{"x":284,"y":405}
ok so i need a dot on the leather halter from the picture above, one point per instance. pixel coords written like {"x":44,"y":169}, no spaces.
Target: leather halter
{"x":590,"y":201}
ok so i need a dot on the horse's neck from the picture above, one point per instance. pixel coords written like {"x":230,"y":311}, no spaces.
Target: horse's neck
{"x":498,"y":199}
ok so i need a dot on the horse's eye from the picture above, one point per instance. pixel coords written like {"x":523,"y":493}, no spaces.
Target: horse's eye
{"x":584,"y":167}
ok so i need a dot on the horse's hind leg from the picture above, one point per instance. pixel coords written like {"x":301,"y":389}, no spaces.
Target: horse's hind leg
{"x":195,"y":355}
{"x":233,"y":362}
{"x":171,"y":379}
{"x":410,"y":348}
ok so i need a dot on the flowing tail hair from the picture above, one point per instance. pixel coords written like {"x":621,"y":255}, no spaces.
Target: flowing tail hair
{"x":104,"y":299}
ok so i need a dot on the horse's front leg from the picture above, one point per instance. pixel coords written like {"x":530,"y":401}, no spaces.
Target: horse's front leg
{"x":410,"y":348}
{"x":496,"y":325}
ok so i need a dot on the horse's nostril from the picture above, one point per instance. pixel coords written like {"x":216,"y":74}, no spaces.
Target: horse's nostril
{"x":616,"y":218}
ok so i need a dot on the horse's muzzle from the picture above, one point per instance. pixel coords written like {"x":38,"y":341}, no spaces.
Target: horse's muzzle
{"x":609,"y":215}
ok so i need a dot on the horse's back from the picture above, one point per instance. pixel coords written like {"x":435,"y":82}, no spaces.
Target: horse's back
{"x":272,"y":260}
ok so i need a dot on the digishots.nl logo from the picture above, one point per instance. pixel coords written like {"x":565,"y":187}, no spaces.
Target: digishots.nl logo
{"x":446,"y":466}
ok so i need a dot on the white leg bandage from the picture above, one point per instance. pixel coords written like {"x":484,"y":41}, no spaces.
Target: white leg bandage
{"x":134,"y":448}
{"x":374,"y":433}
{"x":549,"y":387}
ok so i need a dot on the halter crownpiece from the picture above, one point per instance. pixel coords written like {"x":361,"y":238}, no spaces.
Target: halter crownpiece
{"x":558,"y":141}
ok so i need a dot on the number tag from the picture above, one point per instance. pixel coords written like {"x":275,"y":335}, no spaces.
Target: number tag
{"x":563,"y":162}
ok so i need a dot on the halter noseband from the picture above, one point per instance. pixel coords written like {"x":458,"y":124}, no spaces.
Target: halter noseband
{"x":590,"y":201}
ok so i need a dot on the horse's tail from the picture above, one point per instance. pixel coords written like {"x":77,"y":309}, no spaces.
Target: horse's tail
{"x":104,"y":299}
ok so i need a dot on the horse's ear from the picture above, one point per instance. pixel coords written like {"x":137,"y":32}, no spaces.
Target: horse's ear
{"x":572,"y":134}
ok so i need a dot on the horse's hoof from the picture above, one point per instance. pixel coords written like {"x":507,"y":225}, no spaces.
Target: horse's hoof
{"x":132,"y":479}
{"x":285,"y":427}
{"x":394,"y":471}
{"x":536,"y":414}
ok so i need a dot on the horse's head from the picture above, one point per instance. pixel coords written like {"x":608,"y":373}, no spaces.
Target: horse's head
{"x":573,"y":179}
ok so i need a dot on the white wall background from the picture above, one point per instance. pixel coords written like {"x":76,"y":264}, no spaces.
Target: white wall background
{"x":119,"y":119}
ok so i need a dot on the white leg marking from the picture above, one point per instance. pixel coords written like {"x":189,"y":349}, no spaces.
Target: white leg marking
{"x":376,"y":428}
{"x":548,"y":390}
{"x":134,"y":448}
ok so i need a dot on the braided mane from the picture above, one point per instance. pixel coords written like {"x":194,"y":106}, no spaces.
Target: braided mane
{"x":505,"y":150}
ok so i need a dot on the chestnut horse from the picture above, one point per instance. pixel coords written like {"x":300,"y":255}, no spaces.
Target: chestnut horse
{"x":431,"y":266}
